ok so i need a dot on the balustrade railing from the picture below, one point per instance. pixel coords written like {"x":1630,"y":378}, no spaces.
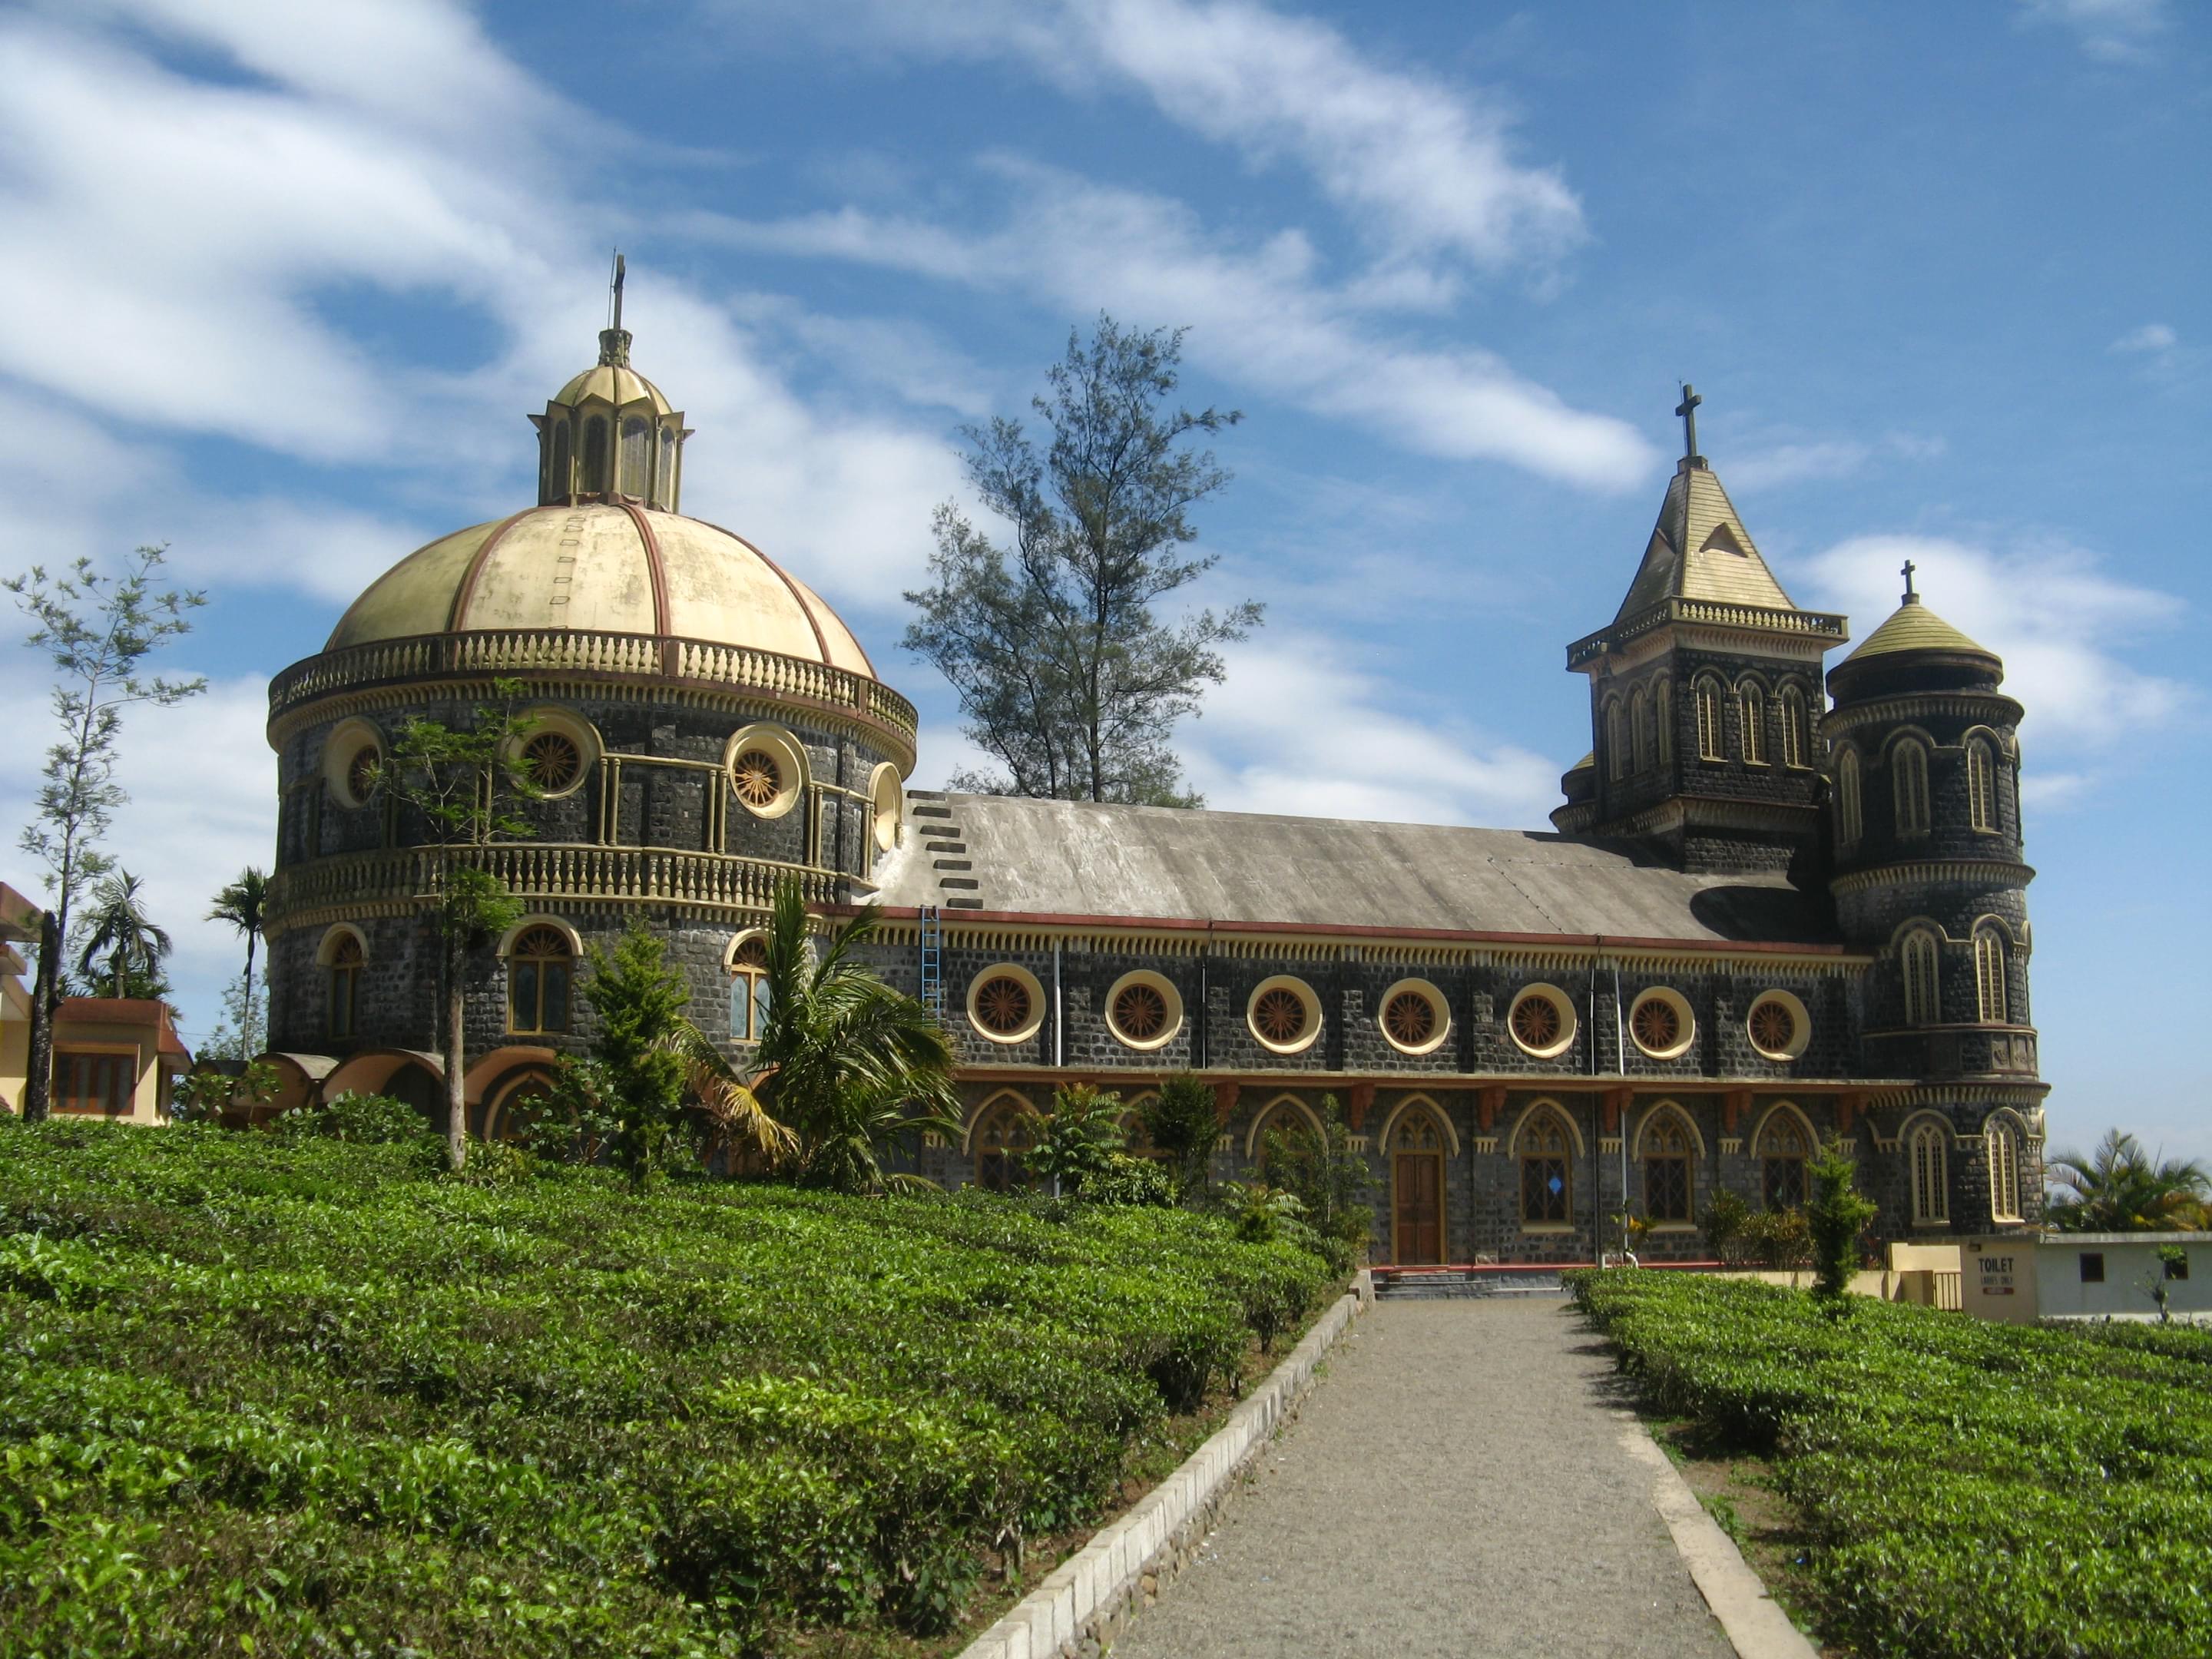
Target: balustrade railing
{"x":546,"y":871}
{"x":503,"y":651}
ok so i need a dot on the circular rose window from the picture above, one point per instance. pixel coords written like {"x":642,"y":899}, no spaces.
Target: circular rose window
{"x":1662,"y":1023}
{"x":362,"y":772}
{"x":1777,"y":1025}
{"x":1002,"y":1005}
{"x":553,"y":761}
{"x":1542,"y":1021}
{"x":1141,"y":1012}
{"x":757,"y":779}
{"x":1284,"y":1014}
{"x":1410,"y":1019}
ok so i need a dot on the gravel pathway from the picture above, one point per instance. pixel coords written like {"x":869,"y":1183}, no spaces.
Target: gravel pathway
{"x":1457,"y":1486}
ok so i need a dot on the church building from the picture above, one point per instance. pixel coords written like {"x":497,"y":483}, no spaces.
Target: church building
{"x":1780,"y":900}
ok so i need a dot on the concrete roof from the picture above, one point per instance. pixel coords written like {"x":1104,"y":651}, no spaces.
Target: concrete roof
{"x":1077,"y":859}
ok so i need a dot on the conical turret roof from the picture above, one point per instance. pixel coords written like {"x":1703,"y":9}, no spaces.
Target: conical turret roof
{"x":1913,"y":627}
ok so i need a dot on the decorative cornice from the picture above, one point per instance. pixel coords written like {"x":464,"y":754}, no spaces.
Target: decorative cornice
{"x":1993,"y":706}
{"x":576,"y":655}
{"x":1997,"y":872}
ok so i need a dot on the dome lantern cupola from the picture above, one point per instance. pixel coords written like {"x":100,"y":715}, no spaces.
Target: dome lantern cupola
{"x":609,"y":434}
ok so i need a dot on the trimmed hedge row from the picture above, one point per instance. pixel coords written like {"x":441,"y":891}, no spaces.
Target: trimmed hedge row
{"x":1971,"y":1489}
{"x":310,"y":1396}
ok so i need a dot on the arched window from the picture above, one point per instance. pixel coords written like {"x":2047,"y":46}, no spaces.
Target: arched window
{"x":537,"y":976}
{"x":1923,"y":1003}
{"x":345,"y":984}
{"x":1001,"y":1141}
{"x":749,"y":989}
{"x":2004,"y":1171}
{"x":1710,"y":736}
{"x":595,"y":455}
{"x":1751,"y":720}
{"x":1908,"y":770}
{"x":1850,"y":822}
{"x":1795,"y":740}
{"x":636,"y":456}
{"x":1929,"y":1150}
{"x":1639,"y":728}
{"x":1666,"y":724}
{"x":1616,"y":740}
{"x":1284,"y":1130}
{"x":1989,"y":976}
{"x":1667,"y":1181}
{"x":1981,"y":784}
{"x":1784,"y":1148}
{"x":1546,"y":1172}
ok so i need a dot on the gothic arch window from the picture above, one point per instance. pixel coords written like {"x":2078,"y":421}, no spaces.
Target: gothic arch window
{"x":1989,"y":976}
{"x":1669,"y":1163}
{"x":1981,"y":784}
{"x":347,"y":957}
{"x":1908,"y":769}
{"x":1709,"y":735}
{"x":538,"y":972}
{"x":1287,"y":1121}
{"x":1923,"y":1003}
{"x":1785,"y":1145}
{"x":1547,"y":1195}
{"x":1850,"y":822}
{"x":1640,"y":729}
{"x":2004,"y":1143}
{"x":595,"y":455}
{"x":749,"y":999}
{"x":1751,"y":720}
{"x":1666,"y":723}
{"x":1927,"y":1151}
{"x":1616,"y":740}
{"x":1000,"y":1142}
{"x":1795,"y":742}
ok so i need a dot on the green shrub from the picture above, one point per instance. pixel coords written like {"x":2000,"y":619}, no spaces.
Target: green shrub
{"x":364,"y":1119}
{"x":1966,"y":1488}
{"x":308,"y":1390}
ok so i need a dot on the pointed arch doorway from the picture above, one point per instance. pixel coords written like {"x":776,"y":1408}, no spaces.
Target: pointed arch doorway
{"x":1417,"y":1188}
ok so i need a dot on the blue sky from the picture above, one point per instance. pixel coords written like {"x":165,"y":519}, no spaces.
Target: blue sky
{"x":282,"y":282}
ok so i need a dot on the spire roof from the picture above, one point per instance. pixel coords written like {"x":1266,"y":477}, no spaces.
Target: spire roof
{"x":1700,"y":549}
{"x":1913,"y":627}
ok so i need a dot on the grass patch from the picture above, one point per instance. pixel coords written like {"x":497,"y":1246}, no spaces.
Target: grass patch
{"x":1959,"y":1490}
{"x":313,"y":1397}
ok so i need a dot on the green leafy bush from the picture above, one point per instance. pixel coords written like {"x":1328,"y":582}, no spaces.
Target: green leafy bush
{"x":1969,"y":1490}
{"x":307,"y":1392}
{"x":364,"y":1119}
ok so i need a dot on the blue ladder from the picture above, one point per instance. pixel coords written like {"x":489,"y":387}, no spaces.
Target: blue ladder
{"x":933,"y":955}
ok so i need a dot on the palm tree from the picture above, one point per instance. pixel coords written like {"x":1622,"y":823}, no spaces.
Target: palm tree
{"x":118,"y":931}
{"x":846,"y":1062}
{"x":2121,"y":1188}
{"x":244,"y":905}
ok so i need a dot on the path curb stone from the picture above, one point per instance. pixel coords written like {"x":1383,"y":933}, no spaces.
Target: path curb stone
{"x":1090,"y":1598}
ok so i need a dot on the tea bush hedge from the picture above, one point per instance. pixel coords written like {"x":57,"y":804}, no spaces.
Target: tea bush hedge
{"x":1971,"y":1490}
{"x":273,"y":1394}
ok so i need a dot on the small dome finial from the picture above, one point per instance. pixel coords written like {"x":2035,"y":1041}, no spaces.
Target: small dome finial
{"x":1910,"y":598}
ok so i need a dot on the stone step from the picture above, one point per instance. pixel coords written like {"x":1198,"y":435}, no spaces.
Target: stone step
{"x":964,"y":905}
{"x":954,"y":864}
{"x":951,"y":882}
{"x":925,"y":794}
{"x":945,"y":847}
{"x":929,"y":811}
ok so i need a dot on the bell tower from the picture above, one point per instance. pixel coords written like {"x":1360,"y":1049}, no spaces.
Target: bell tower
{"x":609,"y":436}
{"x":1705,"y":693}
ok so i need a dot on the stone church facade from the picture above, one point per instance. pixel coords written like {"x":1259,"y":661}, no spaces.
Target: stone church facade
{"x":1781,"y":900}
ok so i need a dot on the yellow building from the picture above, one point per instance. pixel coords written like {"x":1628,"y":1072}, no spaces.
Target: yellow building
{"x":114,"y":1058}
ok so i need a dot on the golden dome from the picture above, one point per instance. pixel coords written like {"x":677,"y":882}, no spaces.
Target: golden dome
{"x":1913,"y":627}
{"x":602,"y":567}
{"x":615,"y":383}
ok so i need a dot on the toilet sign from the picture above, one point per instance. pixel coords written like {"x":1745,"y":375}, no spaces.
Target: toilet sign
{"x":1997,"y":1275}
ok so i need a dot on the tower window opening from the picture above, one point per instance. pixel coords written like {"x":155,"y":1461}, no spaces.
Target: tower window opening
{"x":1981,"y":786}
{"x":1616,"y":745}
{"x":1923,"y":999}
{"x":596,"y":456}
{"x":664,"y":483}
{"x":558,"y":484}
{"x":1751,"y":715}
{"x":345,"y":985}
{"x":1666,"y":724}
{"x":636,"y":456}
{"x":748,"y":995}
{"x":2004,"y":1171}
{"x":1990,"y":975}
{"x":1908,"y":768}
{"x":1796,"y":742}
{"x":1709,"y":721}
{"x":1931,"y":1175}
{"x":1851,"y":821}
{"x":1639,"y":730}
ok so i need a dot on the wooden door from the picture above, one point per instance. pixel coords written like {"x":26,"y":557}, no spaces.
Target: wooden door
{"x":1417,"y":1184}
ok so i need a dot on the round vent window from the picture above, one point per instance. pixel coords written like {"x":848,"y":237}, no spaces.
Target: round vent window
{"x":1661,"y":1025}
{"x":1778,"y":1026}
{"x":1284,"y":1014}
{"x":1414,"y":1016}
{"x":1005,"y":1004}
{"x":1144,"y":1011}
{"x":1542,"y":1021}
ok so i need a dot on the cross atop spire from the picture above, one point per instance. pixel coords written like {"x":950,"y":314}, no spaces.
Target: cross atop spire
{"x":1687,"y":409}
{"x":614,"y":339}
{"x":1910,"y":598}
{"x":616,"y":322}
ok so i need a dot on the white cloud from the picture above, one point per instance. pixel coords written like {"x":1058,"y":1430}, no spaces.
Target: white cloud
{"x":1827,"y":458}
{"x":2151,"y":337}
{"x":1257,"y":313}
{"x":2062,"y":626}
{"x":1422,"y":166}
{"x":2109,"y":31}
